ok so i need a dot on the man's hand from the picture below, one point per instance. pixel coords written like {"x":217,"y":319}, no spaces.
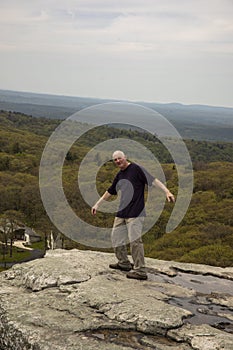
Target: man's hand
{"x":94,"y":209}
{"x":105,"y":197}
{"x":170,"y":197}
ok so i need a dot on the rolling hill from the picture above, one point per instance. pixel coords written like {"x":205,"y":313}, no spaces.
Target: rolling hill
{"x":196,"y":122}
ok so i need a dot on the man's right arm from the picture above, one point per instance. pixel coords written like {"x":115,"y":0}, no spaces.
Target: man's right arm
{"x":105,"y":197}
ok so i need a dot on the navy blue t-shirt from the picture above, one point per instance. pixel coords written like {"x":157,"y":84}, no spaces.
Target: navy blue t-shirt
{"x":131,"y":183}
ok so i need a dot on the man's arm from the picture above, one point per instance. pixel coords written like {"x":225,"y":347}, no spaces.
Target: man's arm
{"x":105,"y":197}
{"x":169,"y":195}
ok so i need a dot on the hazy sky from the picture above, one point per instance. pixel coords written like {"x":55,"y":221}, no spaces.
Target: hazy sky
{"x":138,"y":50}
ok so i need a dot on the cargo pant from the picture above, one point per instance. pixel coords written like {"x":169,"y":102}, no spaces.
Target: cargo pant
{"x":124,"y":231}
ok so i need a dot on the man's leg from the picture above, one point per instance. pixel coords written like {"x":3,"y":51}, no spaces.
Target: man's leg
{"x":119,"y":241}
{"x":135,"y":226}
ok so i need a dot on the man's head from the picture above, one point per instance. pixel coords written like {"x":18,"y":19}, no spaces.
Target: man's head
{"x":120,"y":160}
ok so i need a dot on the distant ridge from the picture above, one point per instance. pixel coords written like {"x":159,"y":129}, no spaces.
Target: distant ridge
{"x":200,"y":122}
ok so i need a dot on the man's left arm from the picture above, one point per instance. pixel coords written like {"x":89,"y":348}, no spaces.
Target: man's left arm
{"x":169,"y":195}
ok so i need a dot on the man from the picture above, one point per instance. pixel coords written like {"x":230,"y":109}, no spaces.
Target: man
{"x":128,"y":223}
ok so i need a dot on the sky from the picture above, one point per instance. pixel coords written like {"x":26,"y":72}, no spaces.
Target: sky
{"x":139,"y":50}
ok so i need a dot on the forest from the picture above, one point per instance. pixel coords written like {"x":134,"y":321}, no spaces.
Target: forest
{"x":205,"y":235}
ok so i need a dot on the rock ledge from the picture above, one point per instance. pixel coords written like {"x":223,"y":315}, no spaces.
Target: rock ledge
{"x":72,"y":300}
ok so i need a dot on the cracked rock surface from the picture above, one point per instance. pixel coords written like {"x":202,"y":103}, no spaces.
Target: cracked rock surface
{"x":72,"y":300}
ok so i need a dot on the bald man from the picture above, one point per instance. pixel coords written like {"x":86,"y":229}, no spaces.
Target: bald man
{"x":128,"y":224}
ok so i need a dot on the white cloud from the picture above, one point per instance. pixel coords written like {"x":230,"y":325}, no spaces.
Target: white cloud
{"x":119,"y":35}
{"x":144,"y":25}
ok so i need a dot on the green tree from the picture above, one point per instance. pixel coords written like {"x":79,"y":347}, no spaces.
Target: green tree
{"x":11,"y":220}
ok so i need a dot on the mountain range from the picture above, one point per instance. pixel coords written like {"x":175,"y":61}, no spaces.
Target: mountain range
{"x":198,"y":122}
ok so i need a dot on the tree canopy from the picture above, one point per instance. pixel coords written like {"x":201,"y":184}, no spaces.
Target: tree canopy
{"x":205,"y":235}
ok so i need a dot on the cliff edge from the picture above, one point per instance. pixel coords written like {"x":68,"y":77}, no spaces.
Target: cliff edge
{"x":72,"y":300}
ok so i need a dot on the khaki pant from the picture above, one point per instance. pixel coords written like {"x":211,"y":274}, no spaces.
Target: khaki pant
{"x":125,"y":230}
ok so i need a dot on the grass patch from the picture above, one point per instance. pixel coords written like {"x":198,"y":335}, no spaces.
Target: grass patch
{"x":38,"y":245}
{"x":17,"y":255}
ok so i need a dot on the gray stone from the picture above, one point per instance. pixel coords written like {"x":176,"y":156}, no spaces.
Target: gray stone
{"x":72,"y":300}
{"x":163,"y":345}
{"x":224,"y":300}
{"x":171,"y":268}
{"x":203,"y":337}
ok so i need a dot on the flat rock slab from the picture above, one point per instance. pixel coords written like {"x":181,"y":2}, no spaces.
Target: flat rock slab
{"x":72,"y":300}
{"x":202,"y":337}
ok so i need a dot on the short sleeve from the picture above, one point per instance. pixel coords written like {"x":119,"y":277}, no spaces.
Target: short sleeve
{"x":147,"y":176}
{"x":112,"y":189}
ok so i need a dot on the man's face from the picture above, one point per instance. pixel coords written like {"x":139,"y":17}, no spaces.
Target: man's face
{"x":120,"y":160}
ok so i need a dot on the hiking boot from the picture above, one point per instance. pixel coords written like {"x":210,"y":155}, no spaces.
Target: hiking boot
{"x":117,"y":266}
{"x":137,"y":275}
